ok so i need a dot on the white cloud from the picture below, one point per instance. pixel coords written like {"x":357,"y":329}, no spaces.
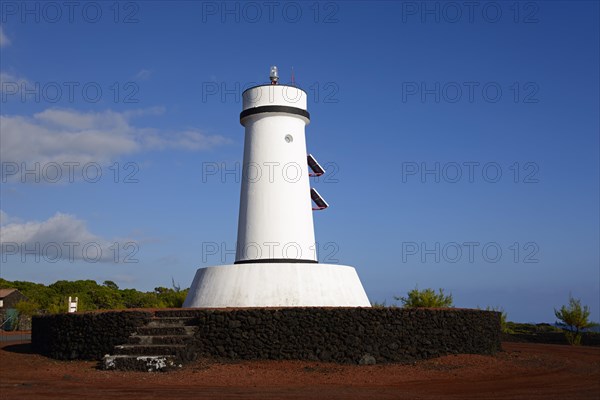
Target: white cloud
{"x":5,"y":219}
{"x":186,"y":140}
{"x":61,"y":237}
{"x":63,"y":135}
{"x":143,"y":74}
{"x":11,"y":84}
{"x":4,"y":40}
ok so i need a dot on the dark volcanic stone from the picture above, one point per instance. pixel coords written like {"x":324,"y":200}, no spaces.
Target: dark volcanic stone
{"x":329,"y":334}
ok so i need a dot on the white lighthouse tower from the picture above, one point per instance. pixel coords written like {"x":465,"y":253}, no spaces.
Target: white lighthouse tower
{"x":276,"y":257}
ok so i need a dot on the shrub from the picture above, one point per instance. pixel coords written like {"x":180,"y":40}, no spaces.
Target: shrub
{"x":503,"y":323}
{"x":28,"y":308}
{"x":25,"y":309}
{"x":573,"y":319}
{"x":383,"y":304}
{"x":426,"y":298}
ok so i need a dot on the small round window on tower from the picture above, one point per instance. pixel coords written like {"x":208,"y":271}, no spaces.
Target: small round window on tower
{"x":289,"y":139}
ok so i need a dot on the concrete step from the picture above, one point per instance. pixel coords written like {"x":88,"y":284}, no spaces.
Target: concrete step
{"x":148,"y":349}
{"x":166,"y":330}
{"x":157,"y":346}
{"x":170,"y":321}
{"x":140,"y":363}
{"x":151,"y":339}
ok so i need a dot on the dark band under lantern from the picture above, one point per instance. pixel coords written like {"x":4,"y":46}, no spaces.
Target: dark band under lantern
{"x":273,"y":109}
{"x":276,"y":260}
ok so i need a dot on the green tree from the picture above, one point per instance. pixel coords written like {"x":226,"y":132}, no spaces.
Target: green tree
{"x":25,"y":309}
{"x":28,"y":308}
{"x":104,"y":298}
{"x":171,"y":298}
{"x":134,"y":299}
{"x":92,"y":296}
{"x":426,"y":298}
{"x":573,"y":319}
{"x":110,"y":285}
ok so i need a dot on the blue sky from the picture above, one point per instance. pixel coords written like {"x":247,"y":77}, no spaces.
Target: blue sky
{"x":462,"y":144}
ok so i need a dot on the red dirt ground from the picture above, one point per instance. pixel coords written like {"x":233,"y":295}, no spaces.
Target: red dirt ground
{"x":521,"y":371}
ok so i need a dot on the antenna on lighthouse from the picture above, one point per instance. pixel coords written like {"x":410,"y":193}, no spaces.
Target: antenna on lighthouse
{"x":293,"y":78}
{"x":274,"y":75}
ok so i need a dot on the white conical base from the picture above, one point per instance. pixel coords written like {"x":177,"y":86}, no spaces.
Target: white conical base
{"x":277,"y":285}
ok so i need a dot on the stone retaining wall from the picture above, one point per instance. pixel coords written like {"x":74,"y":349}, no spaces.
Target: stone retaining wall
{"x":84,"y":336}
{"x":347,"y":335}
